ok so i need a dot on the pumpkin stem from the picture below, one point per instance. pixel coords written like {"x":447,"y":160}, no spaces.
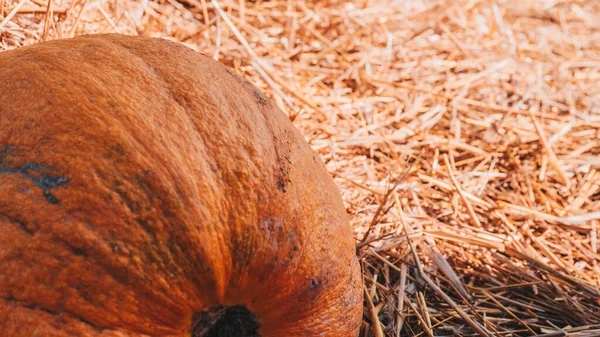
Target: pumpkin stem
{"x":221,"y":321}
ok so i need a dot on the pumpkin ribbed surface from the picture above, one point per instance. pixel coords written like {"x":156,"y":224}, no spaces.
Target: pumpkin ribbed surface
{"x":142,"y":183}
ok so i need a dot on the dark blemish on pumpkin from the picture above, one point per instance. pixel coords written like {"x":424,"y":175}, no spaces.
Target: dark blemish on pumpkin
{"x":26,"y":227}
{"x":182,"y":101}
{"x":113,"y":104}
{"x":262,"y":100}
{"x":282,"y":180}
{"x":75,"y":250}
{"x":266,"y":227}
{"x":119,"y":150}
{"x":315,"y":284}
{"x":122,"y":275}
{"x":281,"y":186}
{"x":5,"y":151}
{"x":34,"y":172}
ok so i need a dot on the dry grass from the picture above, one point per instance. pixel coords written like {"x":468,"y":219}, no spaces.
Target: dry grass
{"x":465,"y":137}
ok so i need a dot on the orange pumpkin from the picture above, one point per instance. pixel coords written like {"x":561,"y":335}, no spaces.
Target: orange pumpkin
{"x":146,"y":190}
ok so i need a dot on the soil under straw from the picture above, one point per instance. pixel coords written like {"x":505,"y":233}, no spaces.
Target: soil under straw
{"x":464,"y":135}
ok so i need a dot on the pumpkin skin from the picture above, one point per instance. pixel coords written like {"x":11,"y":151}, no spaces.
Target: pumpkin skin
{"x":142,"y":183}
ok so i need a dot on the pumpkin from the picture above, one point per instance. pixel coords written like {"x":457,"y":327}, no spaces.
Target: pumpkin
{"x":147,"y":190}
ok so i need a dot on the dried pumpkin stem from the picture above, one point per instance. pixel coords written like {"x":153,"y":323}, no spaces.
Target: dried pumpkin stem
{"x":222,"y":321}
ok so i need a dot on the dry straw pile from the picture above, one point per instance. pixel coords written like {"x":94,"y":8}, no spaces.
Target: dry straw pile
{"x":465,"y":137}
